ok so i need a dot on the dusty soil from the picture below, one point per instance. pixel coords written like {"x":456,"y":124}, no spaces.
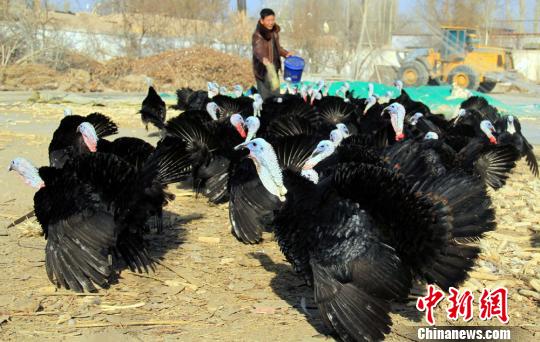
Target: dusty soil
{"x":179,"y":68}
{"x":209,"y":286}
{"x":170,"y":70}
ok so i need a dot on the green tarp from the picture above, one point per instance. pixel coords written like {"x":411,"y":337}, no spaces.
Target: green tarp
{"x":436,"y":98}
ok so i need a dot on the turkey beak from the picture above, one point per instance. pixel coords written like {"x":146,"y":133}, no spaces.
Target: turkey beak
{"x":314,"y":154}
{"x":241,"y":146}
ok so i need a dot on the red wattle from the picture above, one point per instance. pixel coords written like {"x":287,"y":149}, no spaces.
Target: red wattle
{"x":90,"y":143}
{"x":241,"y":130}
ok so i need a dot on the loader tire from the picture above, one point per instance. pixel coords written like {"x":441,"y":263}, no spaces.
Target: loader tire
{"x":465,"y":77}
{"x":413,"y":74}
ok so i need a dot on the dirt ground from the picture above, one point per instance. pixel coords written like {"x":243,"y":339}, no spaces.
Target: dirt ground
{"x":169,"y":71}
{"x":209,"y":286}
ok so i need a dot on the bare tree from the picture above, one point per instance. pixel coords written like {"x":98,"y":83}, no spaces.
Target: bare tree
{"x":508,"y":10}
{"x":452,"y":12}
{"x":146,"y":24}
{"x":537,"y":17}
{"x":4,"y":8}
{"x":489,"y":7}
{"x":189,"y":9}
{"x":30,"y":37}
{"x":522,"y":16}
{"x":241,"y":6}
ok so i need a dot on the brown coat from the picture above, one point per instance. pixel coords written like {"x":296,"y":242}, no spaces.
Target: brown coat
{"x":266,"y":44}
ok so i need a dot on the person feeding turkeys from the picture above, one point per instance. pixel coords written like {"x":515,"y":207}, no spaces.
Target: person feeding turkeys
{"x":267,"y":53}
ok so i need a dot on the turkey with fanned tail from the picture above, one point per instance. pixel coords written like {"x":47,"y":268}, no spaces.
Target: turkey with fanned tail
{"x":509,"y":133}
{"x":65,"y":137}
{"x":339,"y":235}
{"x":93,"y":210}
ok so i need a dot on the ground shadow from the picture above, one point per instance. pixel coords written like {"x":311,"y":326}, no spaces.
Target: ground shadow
{"x":155,"y":134}
{"x":188,"y":185}
{"x":158,"y":244}
{"x":406,"y":307}
{"x":185,"y":184}
{"x":173,"y":235}
{"x":290,"y":287}
{"x":535,"y":240}
{"x":407,"y":310}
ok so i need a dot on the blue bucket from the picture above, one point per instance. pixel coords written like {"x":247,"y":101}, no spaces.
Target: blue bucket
{"x":294,"y":66}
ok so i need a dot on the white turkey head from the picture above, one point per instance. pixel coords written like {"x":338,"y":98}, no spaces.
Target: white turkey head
{"x":27,"y":171}
{"x":89,"y":135}
{"x":370,"y":102}
{"x":212,"y":109}
{"x":336,"y":137}
{"x":399,"y":85}
{"x":370,"y":90}
{"x":304,"y":92}
{"x":238,"y":90}
{"x":510,"y":127}
{"x":344,"y":130}
{"x":413,"y":120}
{"x":252,"y":124}
{"x":397,"y":116}
{"x":326,"y":88}
{"x":257,"y":104}
{"x":431,"y":136}
{"x":323,"y":150}
{"x":213,"y":89}
{"x":460,"y":114}
{"x":487,"y":127}
{"x":266,"y":163}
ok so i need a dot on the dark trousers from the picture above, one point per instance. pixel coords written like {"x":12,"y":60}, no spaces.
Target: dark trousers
{"x":264,"y":89}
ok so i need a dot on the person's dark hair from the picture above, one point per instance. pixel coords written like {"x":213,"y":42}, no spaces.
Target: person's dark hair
{"x":265,"y":12}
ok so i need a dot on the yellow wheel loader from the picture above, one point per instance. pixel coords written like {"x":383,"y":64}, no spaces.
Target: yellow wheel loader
{"x":459,"y":59}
